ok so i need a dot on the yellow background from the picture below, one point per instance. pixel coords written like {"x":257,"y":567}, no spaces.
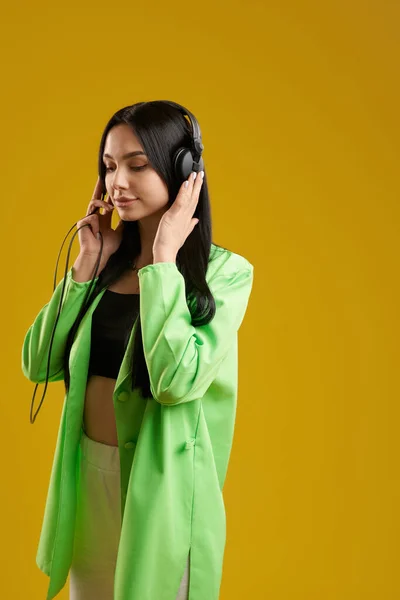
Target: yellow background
{"x":298,"y":103}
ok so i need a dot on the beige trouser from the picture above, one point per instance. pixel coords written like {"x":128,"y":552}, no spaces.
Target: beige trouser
{"x":98,"y":525}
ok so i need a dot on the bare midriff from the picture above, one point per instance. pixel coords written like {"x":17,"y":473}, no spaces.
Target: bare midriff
{"x":98,"y":415}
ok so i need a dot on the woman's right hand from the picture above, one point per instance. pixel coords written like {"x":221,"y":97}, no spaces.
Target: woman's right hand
{"x":89,"y":242}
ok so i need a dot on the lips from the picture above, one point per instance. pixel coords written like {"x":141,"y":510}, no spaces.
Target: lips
{"x":123,"y":201}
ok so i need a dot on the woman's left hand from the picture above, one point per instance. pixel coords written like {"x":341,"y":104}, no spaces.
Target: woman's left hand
{"x":177,"y":222}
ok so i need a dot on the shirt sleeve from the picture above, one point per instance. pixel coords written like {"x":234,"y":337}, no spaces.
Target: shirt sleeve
{"x":36,"y":345}
{"x":183,"y":360}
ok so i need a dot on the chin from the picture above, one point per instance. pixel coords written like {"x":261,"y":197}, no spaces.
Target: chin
{"x":134,"y":214}
{"x":128,"y":214}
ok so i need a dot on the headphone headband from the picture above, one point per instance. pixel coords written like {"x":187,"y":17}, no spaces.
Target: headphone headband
{"x":196,"y":133}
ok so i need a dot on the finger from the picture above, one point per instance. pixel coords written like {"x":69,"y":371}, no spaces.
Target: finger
{"x":187,"y":186}
{"x":96,"y":204}
{"x":198,"y":183}
{"x":92,"y":221}
{"x":100,"y":204}
{"x":98,"y":189}
{"x":194,"y":191}
{"x":192,"y":225}
{"x":97,"y":193}
{"x":195,"y":182}
{"x":184,"y":197}
{"x":107,"y":217}
{"x":192,"y":180}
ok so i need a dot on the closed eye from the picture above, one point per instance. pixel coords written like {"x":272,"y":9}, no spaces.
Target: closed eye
{"x":132,"y":168}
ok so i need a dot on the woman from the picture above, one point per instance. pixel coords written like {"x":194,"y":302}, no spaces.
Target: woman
{"x":135,"y":507}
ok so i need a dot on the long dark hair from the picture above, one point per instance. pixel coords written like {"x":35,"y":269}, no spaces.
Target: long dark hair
{"x":161,"y":129}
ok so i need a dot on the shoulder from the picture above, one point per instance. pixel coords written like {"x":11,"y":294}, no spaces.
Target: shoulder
{"x":224,"y":262}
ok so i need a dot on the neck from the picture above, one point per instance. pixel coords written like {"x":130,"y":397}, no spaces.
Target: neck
{"x":141,"y":261}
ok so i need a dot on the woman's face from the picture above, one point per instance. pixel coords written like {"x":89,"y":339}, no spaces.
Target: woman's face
{"x":132,"y":176}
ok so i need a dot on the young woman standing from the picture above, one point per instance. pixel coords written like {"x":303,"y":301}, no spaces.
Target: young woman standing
{"x":135,"y":506}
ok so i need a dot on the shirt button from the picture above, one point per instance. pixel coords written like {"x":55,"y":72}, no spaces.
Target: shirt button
{"x":123,"y":396}
{"x":129,"y":445}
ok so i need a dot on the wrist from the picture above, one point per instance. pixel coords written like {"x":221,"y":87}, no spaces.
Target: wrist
{"x":83,"y":268}
{"x":164,"y":256}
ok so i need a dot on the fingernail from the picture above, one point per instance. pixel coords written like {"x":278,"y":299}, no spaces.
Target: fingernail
{"x":194,"y":175}
{"x":202,"y":174}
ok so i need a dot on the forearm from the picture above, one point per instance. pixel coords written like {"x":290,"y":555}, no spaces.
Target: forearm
{"x":37,"y":339}
{"x":183,"y":360}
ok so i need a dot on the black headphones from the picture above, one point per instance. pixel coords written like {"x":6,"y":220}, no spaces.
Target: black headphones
{"x":185,"y":161}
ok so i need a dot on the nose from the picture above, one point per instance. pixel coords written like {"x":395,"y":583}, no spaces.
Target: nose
{"x":120,"y":181}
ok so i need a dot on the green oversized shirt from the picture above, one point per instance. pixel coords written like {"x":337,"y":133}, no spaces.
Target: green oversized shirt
{"x":174,"y":448}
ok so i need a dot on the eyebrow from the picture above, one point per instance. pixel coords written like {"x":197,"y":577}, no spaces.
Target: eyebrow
{"x":129,"y":155}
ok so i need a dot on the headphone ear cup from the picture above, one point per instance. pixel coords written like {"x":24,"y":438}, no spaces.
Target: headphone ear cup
{"x":183,"y":163}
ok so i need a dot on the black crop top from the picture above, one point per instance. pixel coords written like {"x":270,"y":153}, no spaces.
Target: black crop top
{"x":112,"y":323}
